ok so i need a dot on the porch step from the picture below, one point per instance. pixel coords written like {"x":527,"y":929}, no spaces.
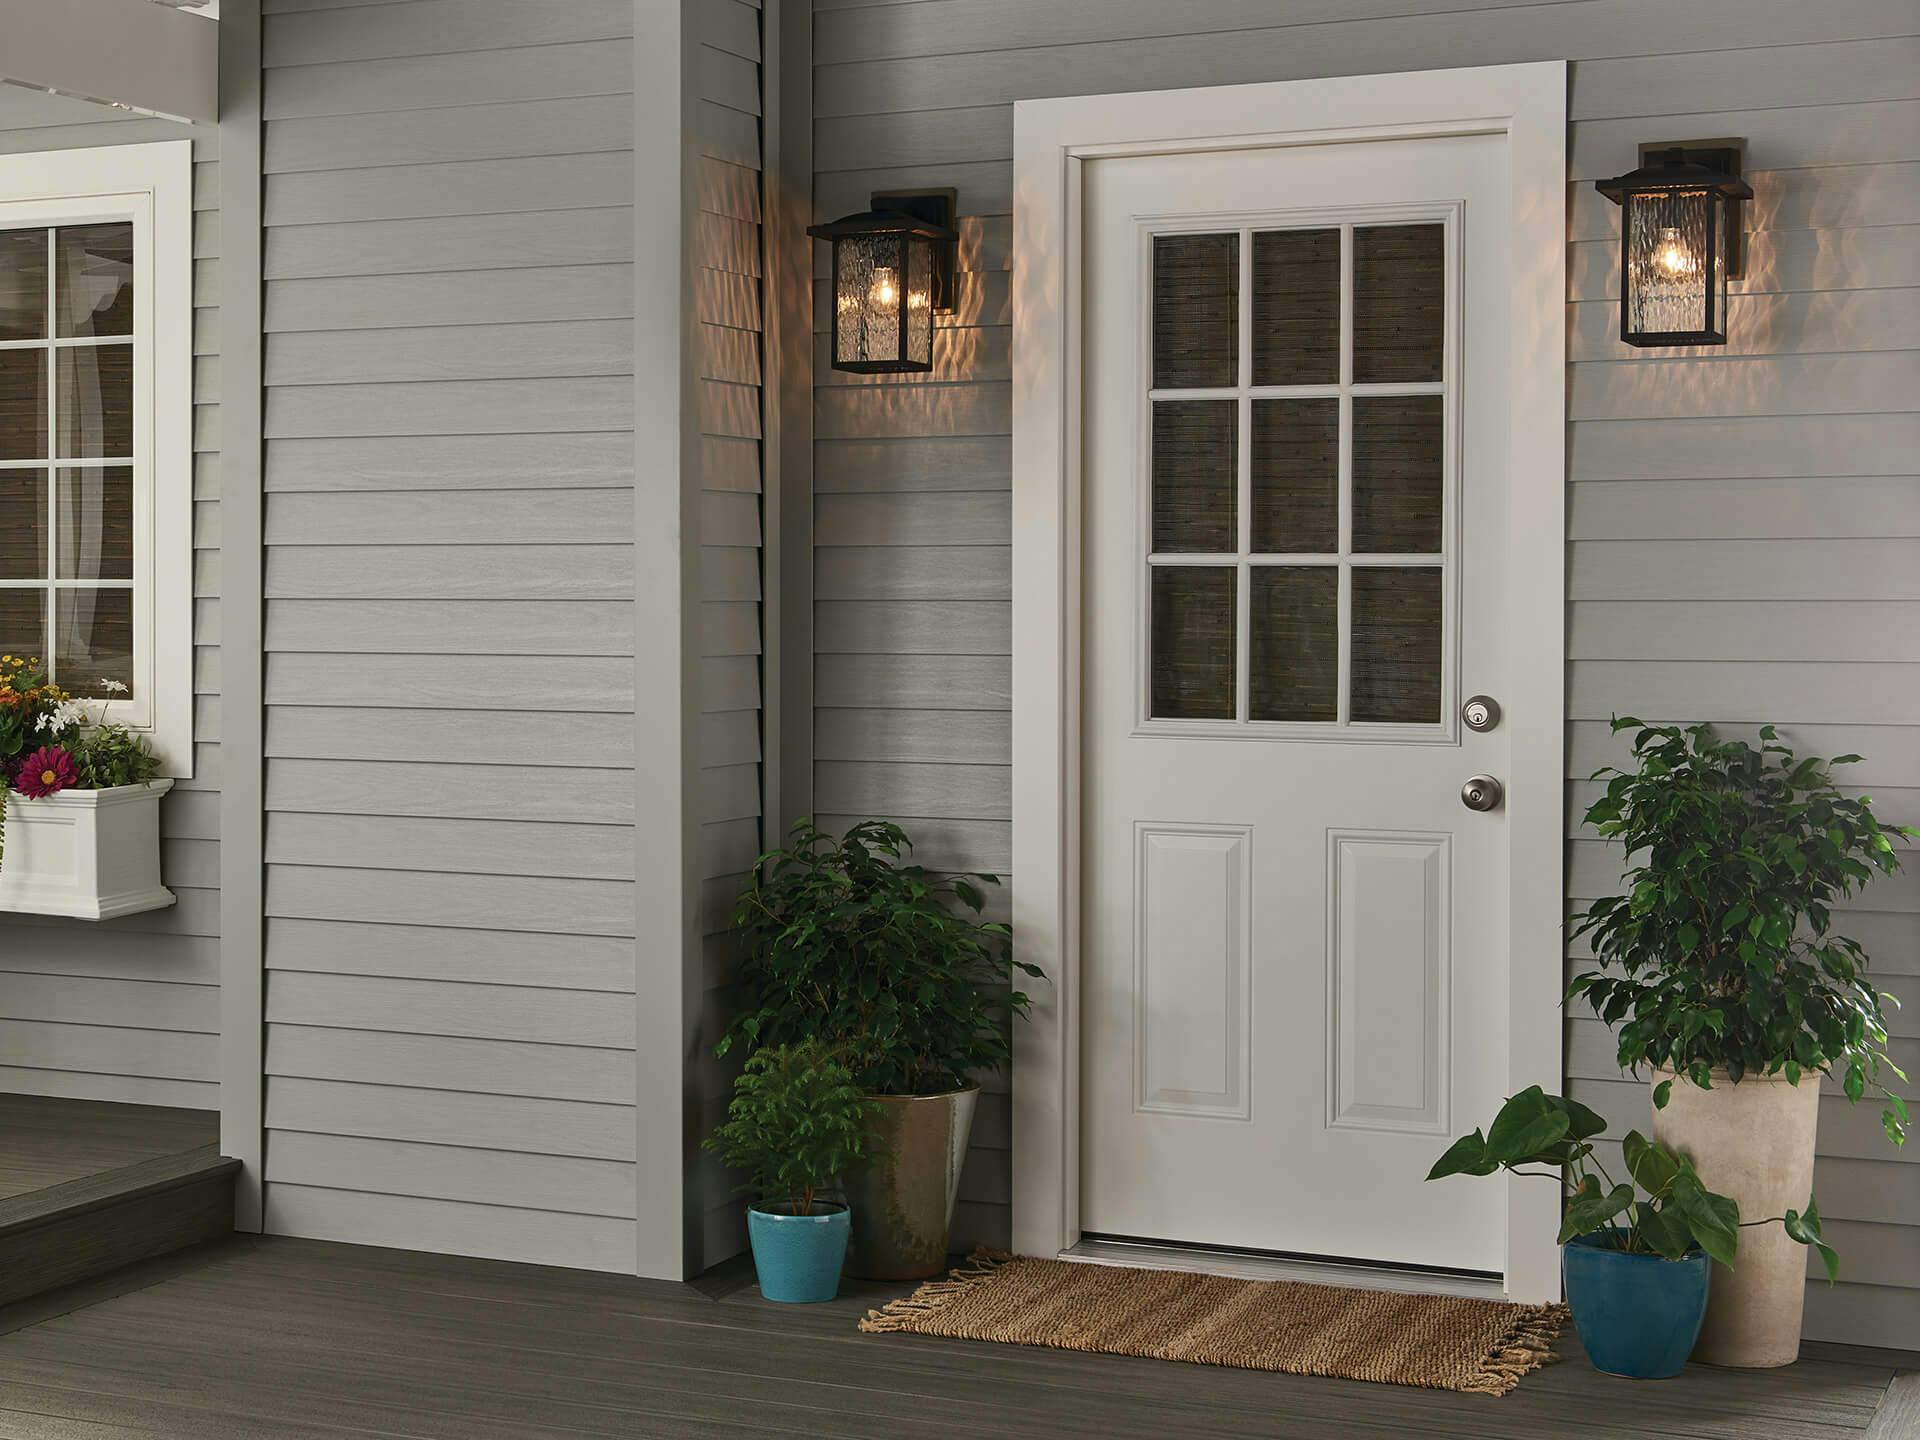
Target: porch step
{"x":83,"y":1228}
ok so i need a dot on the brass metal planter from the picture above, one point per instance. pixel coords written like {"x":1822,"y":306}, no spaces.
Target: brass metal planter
{"x":903,"y":1197}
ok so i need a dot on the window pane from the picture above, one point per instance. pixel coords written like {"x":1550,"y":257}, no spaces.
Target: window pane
{"x":1296,"y":476}
{"x":1195,"y":490}
{"x":93,"y":641}
{"x":96,"y":401}
{"x":23,"y":623}
{"x":94,"y":270}
{"x":23,"y":525}
{"x":1397,"y":630}
{"x":1196,"y":310}
{"x":1296,"y":307}
{"x":95,"y":523}
{"x":1295,"y":660}
{"x":23,"y":404}
{"x":23,"y":284}
{"x":1398,"y":474}
{"x":1399,"y":302}
{"x":1193,"y":642}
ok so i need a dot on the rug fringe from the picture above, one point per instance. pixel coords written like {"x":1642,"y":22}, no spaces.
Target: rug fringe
{"x":896,"y":1315}
{"x":1526,"y":1346}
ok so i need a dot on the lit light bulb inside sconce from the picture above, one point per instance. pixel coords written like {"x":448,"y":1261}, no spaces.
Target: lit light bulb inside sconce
{"x":885,"y":285}
{"x":1672,"y":256}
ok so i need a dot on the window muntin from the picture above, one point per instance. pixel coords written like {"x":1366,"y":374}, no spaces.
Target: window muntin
{"x":1320,"y":488}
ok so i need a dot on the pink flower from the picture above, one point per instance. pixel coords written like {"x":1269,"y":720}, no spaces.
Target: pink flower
{"x":47,"y":771}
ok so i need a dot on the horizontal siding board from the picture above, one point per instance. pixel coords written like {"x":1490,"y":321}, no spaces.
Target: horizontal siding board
{"x":451,"y":1062}
{"x":1872,"y":569}
{"x":949,"y":736}
{"x":134,"y":1005}
{"x":479,"y":847}
{"x":467,"y":242}
{"x":913,"y":463}
{"x":481,"y":737}
{"x":1861,"y":507}
{"x":452,"y":352}
{"x":1879,"y":632}
{"x":499,"y":297}
{"x":441,"y":791}
{"x":442,"y":684}
{"x":451,"y":407}
{"x":575,"y":962}
{"x":949,"y":518}
{"x":1778,"y":262}
{"x":435,"y":1007}
{"x":1749,"y":447}
{"x":948,"y":791}
{"x":449,"y":572}
{"x":1743,"y":385}
{"x":452,"y":627}
{"x":494,"y":517}
{"x":451,"y":1117}
{"x":913,"y":573}
{"x":91,"y":1049}
{"x":451,"y":1172}
{"x":914,"y":627}
{"x":116,"y":1089}
{"x":458,"y":462}
{"x":433,"y":27}
{"x":535,"y":72}
{"x":536,"y":904}
{"x":534,"y":1237}
{"x":913,"y":682}
{"x":543,"y":183}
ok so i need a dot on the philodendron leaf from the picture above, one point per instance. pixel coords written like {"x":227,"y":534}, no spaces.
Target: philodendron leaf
{"x":1591,"y":1209}
{"x":1651,"y":1165}
{"x":1663,"y":1229}
{"x":1713,"y":1219}
{"x":1466,"y":1156}
{"x":1582,"y":1123}
{"x":1526,"y":1125}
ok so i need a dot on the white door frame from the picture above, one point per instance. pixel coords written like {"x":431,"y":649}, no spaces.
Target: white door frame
{"x":1052,"y":141}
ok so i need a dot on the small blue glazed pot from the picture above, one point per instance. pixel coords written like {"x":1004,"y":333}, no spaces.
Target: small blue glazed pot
{"x":1638,"y":1315}
{"x":798,"y":1257}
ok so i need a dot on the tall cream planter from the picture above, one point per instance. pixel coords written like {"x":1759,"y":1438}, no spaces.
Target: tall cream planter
{"x":1752,"y":1142}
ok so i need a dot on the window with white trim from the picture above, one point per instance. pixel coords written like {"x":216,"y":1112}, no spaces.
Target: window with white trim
{"x":96,"y":447}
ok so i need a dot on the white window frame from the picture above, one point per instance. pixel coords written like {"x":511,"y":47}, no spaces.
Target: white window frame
{"x":152,"y":187}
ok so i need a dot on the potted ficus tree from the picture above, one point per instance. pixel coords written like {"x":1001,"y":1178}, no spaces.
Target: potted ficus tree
{"x":1636,"y":1250}
{"x":893,"y":965}
{"x":1724,"y":977}
{"x":796,"y":1122}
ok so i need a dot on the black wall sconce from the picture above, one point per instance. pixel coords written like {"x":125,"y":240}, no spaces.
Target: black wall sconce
{"x":893,"y":271}
{"x":1680,"y":241}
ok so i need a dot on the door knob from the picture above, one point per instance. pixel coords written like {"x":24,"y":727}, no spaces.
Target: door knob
{"x":1482,"y":792}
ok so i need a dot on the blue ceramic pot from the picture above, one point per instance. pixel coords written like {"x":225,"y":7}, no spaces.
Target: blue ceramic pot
{"x":1638,"y":1315}
{"x":798,"y":1257}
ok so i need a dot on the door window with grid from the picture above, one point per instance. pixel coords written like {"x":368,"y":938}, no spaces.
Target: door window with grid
{"x":1299,"y":478}
{"x":96,"y":444}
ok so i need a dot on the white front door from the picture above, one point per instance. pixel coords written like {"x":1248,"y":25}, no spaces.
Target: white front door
{"x":1295,"y":504}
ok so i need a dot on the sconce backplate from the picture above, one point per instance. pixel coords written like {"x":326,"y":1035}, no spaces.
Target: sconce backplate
{"x":1729,"y":157}
{"x":935,"y":206}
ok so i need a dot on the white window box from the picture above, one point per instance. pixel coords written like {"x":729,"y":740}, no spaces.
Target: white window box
{"x":91,"y":854}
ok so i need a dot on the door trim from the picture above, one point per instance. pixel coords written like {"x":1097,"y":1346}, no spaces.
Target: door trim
{"x":1053,"y":139}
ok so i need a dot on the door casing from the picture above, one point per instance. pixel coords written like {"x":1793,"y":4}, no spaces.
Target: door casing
{"x":1053,"y":139}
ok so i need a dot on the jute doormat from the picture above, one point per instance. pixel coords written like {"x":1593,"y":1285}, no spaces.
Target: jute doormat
{"x":1443,"y":1342}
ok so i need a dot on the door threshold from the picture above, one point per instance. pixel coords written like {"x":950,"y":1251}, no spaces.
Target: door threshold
{"x":1241,"y":1265}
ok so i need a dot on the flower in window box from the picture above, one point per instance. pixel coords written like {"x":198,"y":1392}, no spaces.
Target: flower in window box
{"x":47,"y":771}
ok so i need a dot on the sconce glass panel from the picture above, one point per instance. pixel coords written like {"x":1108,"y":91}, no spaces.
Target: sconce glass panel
{"x":1679,"y":245}
{"x":883,"y":280}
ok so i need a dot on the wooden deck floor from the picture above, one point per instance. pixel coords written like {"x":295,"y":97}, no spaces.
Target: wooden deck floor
{"x":307,"y":1341}
{"x":46,"y":1141}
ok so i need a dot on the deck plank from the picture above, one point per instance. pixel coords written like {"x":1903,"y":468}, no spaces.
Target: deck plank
{"x":311,"y":1340}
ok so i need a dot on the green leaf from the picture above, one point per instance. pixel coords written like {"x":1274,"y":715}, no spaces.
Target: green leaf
{"x":1652,"y":1166}
{"x":1526,"y":1125}
{"x":1466,"y":1156}
{"x":1591,"y":1209}
{"x":1805,"y":1227}
{"x":1663,"y":1229}
{"x":1662,"y":1093}
{"x":1713,"y":1219}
